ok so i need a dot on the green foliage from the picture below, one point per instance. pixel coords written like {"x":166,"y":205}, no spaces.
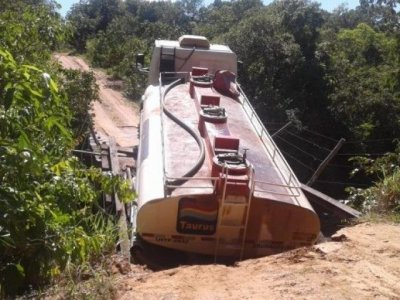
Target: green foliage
{"x":384,"y":195}
{"x":81,"y":90}
{"x":115,"y":19}
{"x":382,"y":198}
{"x":260,"y":42}
{"x":88,"y":17}
{"x":340,"y":80}
{"x":111,"y":184}
{"x":364,"y":72}
{"x":47,"y":198}
{"x":303,"y":20}
{"x":135,"y":82}
{"x":131,"y":28}
{"x":383,"y":14}
{"x":120,"y":58}
{"x":220,"y":17}
{"x":30,"y":31}
{"x":30,"y":99}
{"x":282,"y":70}
{"x":385,"y":165}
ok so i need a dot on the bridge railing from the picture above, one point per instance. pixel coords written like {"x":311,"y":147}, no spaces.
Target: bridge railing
{"x":276,"y":157}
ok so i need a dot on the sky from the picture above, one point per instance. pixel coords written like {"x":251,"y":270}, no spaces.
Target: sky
{"x":328,"y":5}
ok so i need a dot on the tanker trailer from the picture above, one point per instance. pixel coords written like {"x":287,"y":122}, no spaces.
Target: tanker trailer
{"x":210,"y":179}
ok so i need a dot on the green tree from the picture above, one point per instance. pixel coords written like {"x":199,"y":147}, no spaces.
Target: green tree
{"x":383,"y":196}
{"x":89,"y":17}
{"x":50,"y":216}
{"x":47,"y":198}
{"x":270,"y":57}
{"x":365,"y":77}
{"x":30,"y":31}
{"x":191,"y":8}
{"x":344,"y":18}
{"x":220,"y":17}
{"x":383,"y":14}
{"x":282,"y":67}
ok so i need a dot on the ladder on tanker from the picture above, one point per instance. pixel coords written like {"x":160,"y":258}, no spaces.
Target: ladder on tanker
{"x":223,"y":223}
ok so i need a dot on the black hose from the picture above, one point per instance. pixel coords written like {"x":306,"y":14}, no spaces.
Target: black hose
{"x":194,"y":134}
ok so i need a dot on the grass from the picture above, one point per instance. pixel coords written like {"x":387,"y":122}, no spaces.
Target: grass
{"x":84,"y":282}
{"x":374,"y":217}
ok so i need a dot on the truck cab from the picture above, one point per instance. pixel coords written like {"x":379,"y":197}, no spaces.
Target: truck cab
{"x":189,"y":51}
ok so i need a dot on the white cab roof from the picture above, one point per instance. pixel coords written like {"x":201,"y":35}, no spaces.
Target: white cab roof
{"x":175,"y":44}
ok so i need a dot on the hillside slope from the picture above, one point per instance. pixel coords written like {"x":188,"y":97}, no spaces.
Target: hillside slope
{"x":361,"y":262}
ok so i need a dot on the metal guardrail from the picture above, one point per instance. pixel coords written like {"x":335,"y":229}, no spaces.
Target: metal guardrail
{"x":290,"y":187}
{"x":271,"y":148}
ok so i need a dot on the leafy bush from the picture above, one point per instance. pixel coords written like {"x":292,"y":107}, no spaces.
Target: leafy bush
{"x":81,"y":90}
{"x":119,"y":57}
{"x":47,"y":198}
{"x":30,"y":30}
{"x":135,"y":82}
{"x":384,"y":196}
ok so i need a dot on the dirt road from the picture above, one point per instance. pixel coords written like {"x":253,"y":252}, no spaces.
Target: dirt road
{"x":113,"y":115}
{"x":363,"y":263}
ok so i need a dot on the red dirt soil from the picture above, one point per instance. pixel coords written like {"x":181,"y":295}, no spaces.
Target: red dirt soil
{"x":363,"y":263}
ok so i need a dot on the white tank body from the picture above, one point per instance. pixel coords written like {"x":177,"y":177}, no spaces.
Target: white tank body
{"x":150,"y":157}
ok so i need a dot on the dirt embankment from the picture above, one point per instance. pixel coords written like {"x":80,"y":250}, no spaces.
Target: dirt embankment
{"x":362,"y":262}
{"x":113,"y":115}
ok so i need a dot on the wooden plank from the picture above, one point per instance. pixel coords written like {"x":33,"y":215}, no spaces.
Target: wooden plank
{"x":115,"y":169}
{"x":325,"y":162}
{"x":105,"y":163}
{"x":105,"y":167}
{"x":340,"y":209}
{"x":124,"y":241}
{"x":333,"y":215}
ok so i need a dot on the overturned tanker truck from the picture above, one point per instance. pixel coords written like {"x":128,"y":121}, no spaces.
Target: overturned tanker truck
{"x":210,"y":179}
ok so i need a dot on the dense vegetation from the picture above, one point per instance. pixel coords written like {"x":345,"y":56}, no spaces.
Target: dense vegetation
{"x":50,"y":219}
{"x":333,"y":74}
